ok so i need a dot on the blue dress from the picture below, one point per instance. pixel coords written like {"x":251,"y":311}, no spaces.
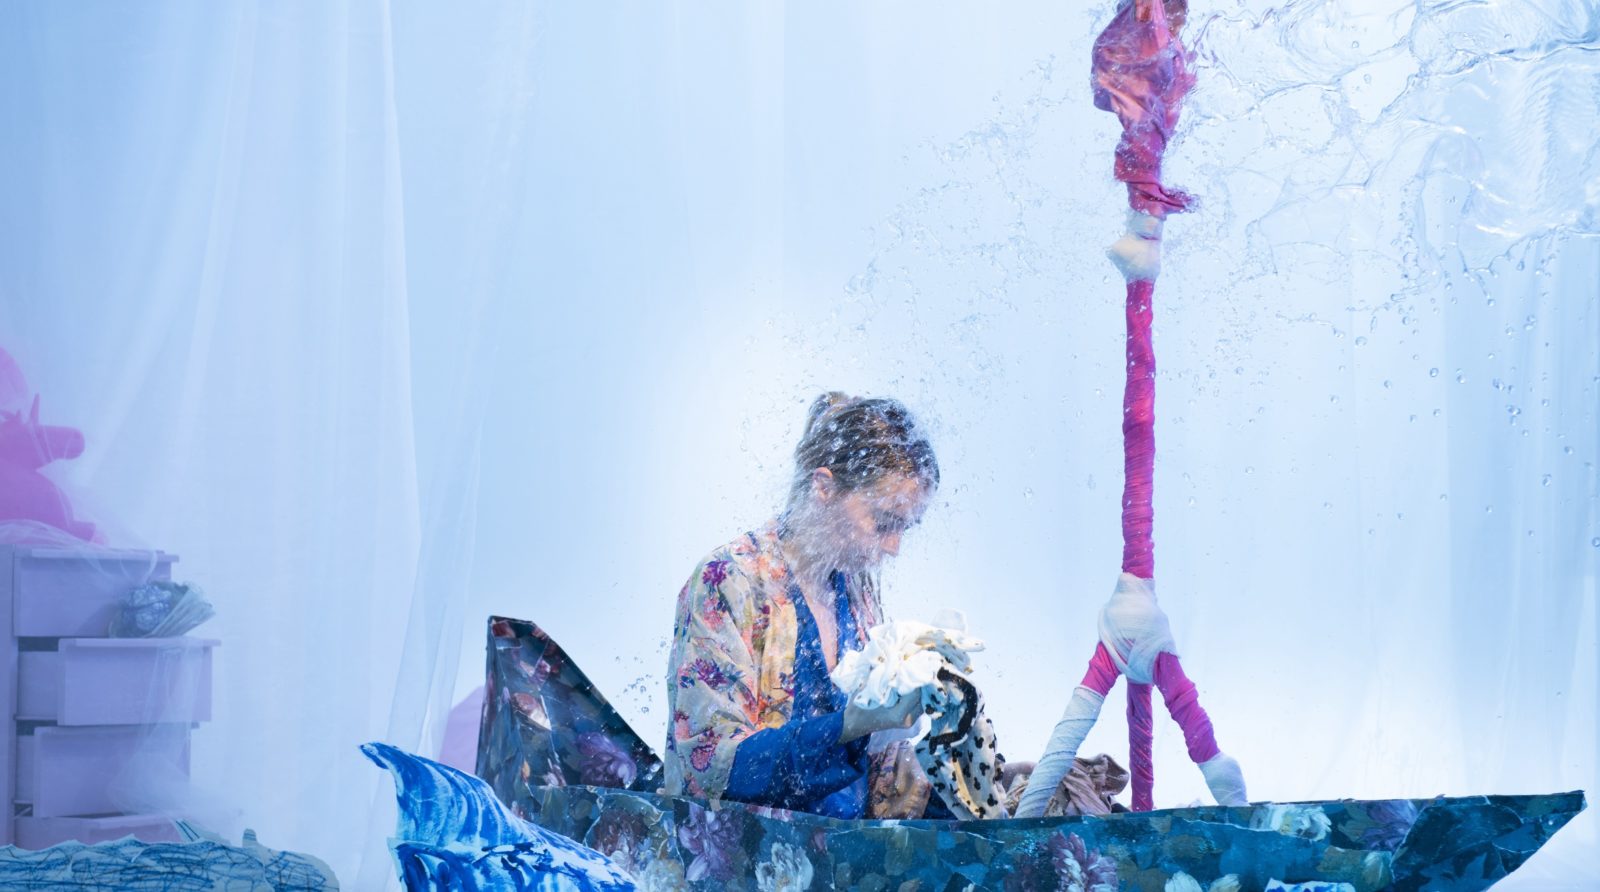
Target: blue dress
{"x":801,"y":765}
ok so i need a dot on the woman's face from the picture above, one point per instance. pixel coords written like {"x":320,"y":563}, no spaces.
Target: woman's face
{"x":864,"y":525}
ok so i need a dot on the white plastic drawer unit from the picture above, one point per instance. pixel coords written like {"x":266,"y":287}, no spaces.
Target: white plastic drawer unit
{"x":73,"y":772}
{"x":62,"y":593}
{"x":116,"y":681}
{"x":42,"y":833}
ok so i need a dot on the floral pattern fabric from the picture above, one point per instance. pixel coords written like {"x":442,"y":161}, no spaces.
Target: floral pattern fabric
{"x":552,"y":751}
{"x":732,"y":668}
{"x":544,"y":724}
{"x":673,"y":843}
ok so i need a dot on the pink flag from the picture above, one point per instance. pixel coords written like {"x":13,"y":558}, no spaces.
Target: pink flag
{"x":1141,"y":74}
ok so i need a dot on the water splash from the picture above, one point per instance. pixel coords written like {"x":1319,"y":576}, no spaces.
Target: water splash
{"x":1372,"y":159}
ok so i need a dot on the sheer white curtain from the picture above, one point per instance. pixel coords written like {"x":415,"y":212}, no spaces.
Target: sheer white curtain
{"x":387,"y":318}
{"x":207,"y":269}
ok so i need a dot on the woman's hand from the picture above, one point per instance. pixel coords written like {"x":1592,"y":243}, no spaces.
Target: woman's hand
{"x":859,"y":722}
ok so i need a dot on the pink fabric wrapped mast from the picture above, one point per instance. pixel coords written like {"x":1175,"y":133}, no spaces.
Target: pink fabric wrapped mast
{"x":1141,"y":73}
{"x":1139,"y":437}
{"x":1138,"y":514}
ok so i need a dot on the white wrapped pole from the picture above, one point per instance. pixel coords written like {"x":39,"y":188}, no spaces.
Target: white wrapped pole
{"x":1080,"y":715}
{"x":1225,"y":779}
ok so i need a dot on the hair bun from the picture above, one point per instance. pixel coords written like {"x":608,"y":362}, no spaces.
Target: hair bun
{"x":827,"y":406}
{"x":860,"y":440}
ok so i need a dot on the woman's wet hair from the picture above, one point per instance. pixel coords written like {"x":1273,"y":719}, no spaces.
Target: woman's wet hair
{"x":861,"y":441}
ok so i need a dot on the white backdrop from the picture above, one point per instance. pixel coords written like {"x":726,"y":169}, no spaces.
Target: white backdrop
{"x":389,"y":317}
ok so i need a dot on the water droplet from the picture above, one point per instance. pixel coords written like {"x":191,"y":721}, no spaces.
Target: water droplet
{"x":1488,"y":509}
{"x":1191,"y":501}
{"x":1461,"y":377}
{"x":1545,"y":480}
{"x":1027,"y":493}
{"x":1334,"y":398}
{"x":1433,"y":373}
{"x":1387,"y":383}
{"x":1361,"y":341}
{"x":1595,"y":542}
{"x":1413,"y":418}
{"x":1250,"y":469}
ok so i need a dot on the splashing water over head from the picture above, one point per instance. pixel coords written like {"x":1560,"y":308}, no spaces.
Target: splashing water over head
{"x":863,"y":476}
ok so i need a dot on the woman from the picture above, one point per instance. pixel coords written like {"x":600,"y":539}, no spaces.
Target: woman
{"x":763,"y":620}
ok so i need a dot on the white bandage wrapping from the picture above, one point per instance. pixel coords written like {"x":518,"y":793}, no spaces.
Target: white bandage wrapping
{"x":1225,"y":779}
{"x":1080,"y":715}
{"x":1137,"y":254}
{"x":1134,"y":629}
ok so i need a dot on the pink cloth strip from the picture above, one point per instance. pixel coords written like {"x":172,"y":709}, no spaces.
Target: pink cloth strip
{"x":1183,"y":702}
{"x":1141,"y":734}
{"x":1102,"y":674}
{"x":1141,"y":73}
{"x":1139,"y":437}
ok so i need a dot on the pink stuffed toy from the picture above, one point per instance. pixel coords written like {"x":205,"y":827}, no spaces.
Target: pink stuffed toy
{"x":26,"y":446}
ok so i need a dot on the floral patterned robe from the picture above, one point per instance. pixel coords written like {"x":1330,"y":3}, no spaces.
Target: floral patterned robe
{"x":732,"y":669}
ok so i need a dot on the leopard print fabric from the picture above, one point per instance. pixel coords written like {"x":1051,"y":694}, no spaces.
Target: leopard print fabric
{"x":960,"y":755}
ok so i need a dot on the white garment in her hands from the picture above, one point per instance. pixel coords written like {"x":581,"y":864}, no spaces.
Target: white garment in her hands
{"x":902,"y":658}
{"x":1225,"y":779}
{"x":1080,"y":715}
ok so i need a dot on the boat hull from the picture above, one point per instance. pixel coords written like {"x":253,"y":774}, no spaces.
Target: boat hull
{"x":1463,"y":843}
{"x":556,"y":753}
